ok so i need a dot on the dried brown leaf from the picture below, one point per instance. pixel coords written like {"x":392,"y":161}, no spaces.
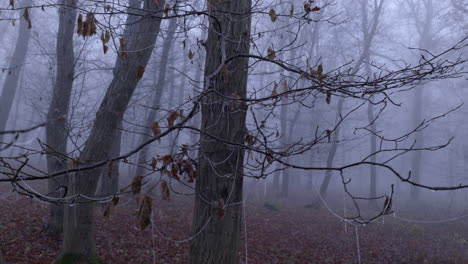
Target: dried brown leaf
{"x":140,"y":72}
{"x":165,"y":194}
{"x":272,"y":15}
{"x":136,"y":184}
{"x":123,"y":48}
{"x":27,"y":17}
{"x":109,"y":169}
{"x":155,"y":128}
{"x":172,"y":118}
{"x":145,"y":212}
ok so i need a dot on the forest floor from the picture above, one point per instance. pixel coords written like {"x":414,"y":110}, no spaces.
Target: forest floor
{"x":284,"y":233}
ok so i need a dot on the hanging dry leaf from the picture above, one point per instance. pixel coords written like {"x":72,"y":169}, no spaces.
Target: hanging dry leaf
{"x":154,"y":162}
{"x":269,"y":156}
{"x":166,"y":160}
{"x":271,"y":54}
{"x":328,"y":98}
{"x":105,"y":48}
{"x":80,"y":25}
{"x":115,"y":201}
{"x":174,"y":173}
{"x":12,"y":3}
{"x":172,"y":118}
{"x":285,"y":88}
{"x":145,"y":212}
{"x":191,"y":55}
{"x":166,"y":11}
{"x":89,"y":25}
{"x":165,"y":194}
{"x":73,"y":163}
{"x":27,"y":17}
{"x":109,"y":168}
{"x":107,"y":211}
{"x":123,"y":48}
{"x":291,"y":12}
{"x":155,"y":128}
{"x":328,"y":132}
{"x":315,"y":9}
{"x":387,"y":209}
{"x":140,"y":72}
{"x":272,"y":15}
{"x":249,"y":139}
{"x":136,"y":184}
{"x":320,"y":71}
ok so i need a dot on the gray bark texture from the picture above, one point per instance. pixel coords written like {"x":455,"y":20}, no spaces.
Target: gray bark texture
{"x":109,"y":182}
{"x":218,"y":204}
{"x":56,"y":128}
{"x":156,"y":102}
{"x":10,"y":85}
{"x":139,"y":35}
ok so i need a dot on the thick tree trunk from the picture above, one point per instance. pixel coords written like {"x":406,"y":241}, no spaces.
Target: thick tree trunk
{"x":218,"y":204}
{"x":56,"y":129}
{"x":156,"y":102}
{"x":16,"y":65}
{"x":140,"y":36}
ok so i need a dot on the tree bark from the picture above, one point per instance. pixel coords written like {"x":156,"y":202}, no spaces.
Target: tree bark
{"x":56,"y":129}
{"x":139,"y":35}
{"x":109,"y":182}
{"x":10,"y":85}
{"x":218,"y":203}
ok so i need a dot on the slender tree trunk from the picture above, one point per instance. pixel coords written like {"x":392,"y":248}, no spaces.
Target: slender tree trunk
{"x":156,"y":102}
{"x":369,"y":33}
{"x":370,"y":108}
{"x":56,"y":129}
{"x":425,"y":42}
{"x":139,"y":35}
{"x":218,"y":204}
{"x":332,"y":152}
{"x":10,"y":85}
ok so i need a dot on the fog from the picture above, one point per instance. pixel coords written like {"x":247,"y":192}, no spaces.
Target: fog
{"x":233,"y":131}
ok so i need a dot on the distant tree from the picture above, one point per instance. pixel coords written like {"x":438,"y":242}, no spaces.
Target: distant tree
{"x":56,"y":128}
{"x":137,"y":44}
{"x":17,"y":62}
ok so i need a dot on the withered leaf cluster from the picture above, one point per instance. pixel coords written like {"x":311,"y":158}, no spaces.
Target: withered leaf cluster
{"x":87,"y":27}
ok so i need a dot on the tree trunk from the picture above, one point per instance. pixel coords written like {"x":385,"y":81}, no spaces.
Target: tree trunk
{"x":139,"y":35}
{"x":333,"y":149}
{"x":218,"y":214}
{"x":109,"y":182}
{"x":368,"y":36}
{"x":370,"y":108}
{"x":16,"y":64}
{"x":425,"y":43}
{"x":56,"y":129}
{"x":156,"y":102}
